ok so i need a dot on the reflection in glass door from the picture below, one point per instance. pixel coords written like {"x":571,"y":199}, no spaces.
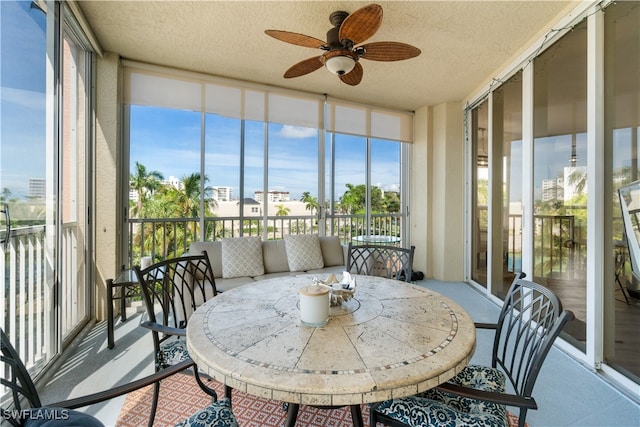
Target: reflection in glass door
{"x":559,"y":174}
{"x":506,"y":219}
{"x":622,"y":139}
{"x":480,"y":194}
{"x":26,"y":182}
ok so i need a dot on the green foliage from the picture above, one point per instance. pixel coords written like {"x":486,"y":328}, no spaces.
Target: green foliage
{"x":354,"y":200}
{"x":158,"y":201}
{"x":311,"y":202}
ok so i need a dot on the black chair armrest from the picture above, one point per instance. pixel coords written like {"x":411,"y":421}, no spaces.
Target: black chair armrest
{"x":490,"y":396}
{"x":480,"y":325}
{"x":167,"y":330}
{"x":91,"y":399}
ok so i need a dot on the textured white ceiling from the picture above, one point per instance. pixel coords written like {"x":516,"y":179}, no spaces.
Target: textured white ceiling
{"x":463,"y":42}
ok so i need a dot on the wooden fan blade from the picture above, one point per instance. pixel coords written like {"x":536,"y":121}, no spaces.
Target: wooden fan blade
{"x":361,"y":24}
{"x":295,"y":38}
{"x":303,"y":67}
{"x":389,"y":51}
{"x":354,"y":77}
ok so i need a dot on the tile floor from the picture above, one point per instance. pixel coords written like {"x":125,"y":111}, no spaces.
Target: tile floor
{"x":568,"y":394}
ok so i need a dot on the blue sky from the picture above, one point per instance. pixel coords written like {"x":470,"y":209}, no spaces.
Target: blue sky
{"x":22,"y":105}
{"x":168,"y":141}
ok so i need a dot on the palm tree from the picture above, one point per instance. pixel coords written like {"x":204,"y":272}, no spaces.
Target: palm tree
{"x":282,"y":210}
{"x":144,"y":183}
{"x":188,"y":198}
{"x":353,"y":199}
{"x":311,"y":202}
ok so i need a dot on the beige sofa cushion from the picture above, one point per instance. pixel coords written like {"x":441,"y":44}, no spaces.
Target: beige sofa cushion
{"x":332,"y":251}
{"x":241,"y":257}
{"x":303,"y":252}
{"x":274,"y":254}
{"x":226,"y":284}
{"x":214,"y":252}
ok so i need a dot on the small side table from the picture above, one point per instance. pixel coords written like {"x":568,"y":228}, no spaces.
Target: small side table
{"x":375,"y":239}
{"x":127,"y":284}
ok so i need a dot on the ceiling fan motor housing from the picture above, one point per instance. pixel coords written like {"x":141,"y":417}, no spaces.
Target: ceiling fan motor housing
{"x":333,"y":37}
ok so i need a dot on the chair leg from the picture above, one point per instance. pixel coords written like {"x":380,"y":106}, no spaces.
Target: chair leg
{"x":210,"y":391}
{"x":522,"y":417}
{"x":154,"y":403}
{"x":356,"y":416}
{"x":292,"y":414}
{"x":227,"y":393}
{"x":373,"y":418}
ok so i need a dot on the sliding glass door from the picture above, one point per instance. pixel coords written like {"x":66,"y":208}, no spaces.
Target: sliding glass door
{"x":551,"y":159}
{"x":27,"y":181}
{"x":560,"y":174}
{"x":44,"y":160}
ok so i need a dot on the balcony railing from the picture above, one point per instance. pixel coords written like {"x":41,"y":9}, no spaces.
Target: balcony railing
{"x":167,"y":238}
{"x":24,"y":293}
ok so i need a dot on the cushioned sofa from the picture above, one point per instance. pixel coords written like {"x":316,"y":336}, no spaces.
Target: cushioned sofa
{"x":241,"y":260}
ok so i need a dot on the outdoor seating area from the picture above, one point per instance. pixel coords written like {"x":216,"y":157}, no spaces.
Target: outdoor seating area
{"x":431,"y":217}
{"x":92,"y":365}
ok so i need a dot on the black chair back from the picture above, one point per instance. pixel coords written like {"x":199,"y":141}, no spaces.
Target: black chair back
{"x":391,"y":262}
{"x":530,"y":320}
{"x":174,"y":288}
{"x":16,"y":379}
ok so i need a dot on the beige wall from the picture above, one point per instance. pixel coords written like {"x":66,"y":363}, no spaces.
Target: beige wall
{"x":108,"y":158}
{"x":437,"y":173}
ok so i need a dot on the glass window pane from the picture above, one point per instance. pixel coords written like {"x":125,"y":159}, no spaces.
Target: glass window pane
{"x":560,"y":159}
{"x":385,"y":189}
{"x":293,"y":180}
{"x":350,"y":181}
{"x":222,"y":168}
{"x":26,"y":184}
{"x":507,"y":172}
{"x":622,"y":124}
{"x":480,"y":193}
{"x":164,"y":180}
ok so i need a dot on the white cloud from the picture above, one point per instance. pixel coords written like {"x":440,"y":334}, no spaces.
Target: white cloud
{"x":295,"y":132}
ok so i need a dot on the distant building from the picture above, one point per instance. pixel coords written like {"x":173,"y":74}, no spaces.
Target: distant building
{"x":174,"y":182}
{"x":37,"y":188}
{"x":222,"y":194}
{"x":552,"y":189}
{"x":273,"y":196}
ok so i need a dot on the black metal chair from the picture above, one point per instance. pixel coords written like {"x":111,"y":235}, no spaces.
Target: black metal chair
{"x":25,"y":406}
{"x":391,"y":262}
{"x":531,"y":319}
{"x":172,"y":290}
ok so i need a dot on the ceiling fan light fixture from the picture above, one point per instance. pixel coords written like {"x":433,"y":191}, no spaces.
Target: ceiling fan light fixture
{"x":340,"y":65}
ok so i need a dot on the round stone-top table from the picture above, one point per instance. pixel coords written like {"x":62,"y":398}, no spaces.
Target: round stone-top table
{"x":393,"y":339}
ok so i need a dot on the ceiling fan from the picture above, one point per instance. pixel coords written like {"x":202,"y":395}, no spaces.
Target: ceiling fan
{"x":343,"y":49}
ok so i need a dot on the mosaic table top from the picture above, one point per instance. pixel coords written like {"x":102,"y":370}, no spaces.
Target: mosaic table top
{"x":393,"y":339}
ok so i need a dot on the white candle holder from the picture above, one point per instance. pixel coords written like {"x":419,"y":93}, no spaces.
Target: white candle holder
{"x":314,"y":305}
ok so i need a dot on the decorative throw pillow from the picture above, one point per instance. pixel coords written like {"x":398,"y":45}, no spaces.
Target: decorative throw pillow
{"x":332,"y":251}
{"x":303,"y":252}
{"x":242,"y":257}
